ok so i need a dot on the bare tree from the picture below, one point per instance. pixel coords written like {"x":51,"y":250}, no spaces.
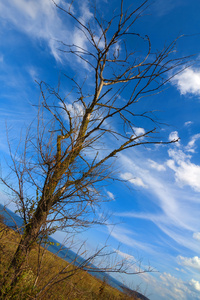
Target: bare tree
{"x":66,"y":161}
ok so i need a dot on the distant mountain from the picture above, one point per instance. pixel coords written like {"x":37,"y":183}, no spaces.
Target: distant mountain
{"x":12,"y":220}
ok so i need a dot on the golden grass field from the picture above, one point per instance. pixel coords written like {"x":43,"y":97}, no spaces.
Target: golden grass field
{"x":42,"y":267}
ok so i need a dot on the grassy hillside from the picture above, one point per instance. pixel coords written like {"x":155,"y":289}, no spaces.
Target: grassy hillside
{"x":42,"y":267}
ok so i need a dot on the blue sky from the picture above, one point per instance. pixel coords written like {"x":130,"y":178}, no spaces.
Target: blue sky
{"x":157,"y":211}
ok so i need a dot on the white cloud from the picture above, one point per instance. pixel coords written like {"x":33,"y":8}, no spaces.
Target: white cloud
{"x":191,"y":145}
{"x":138,"y":131}
{"x":76,"y":109}
{"x":188,"y":81}
{"x":186,"y":172}
{"x":195,"y":284}
{"x":188,"y":123}
{"x":174,"y":137}
{"x":134,"y":180}
{"x":110,"y":195}
{"x":167,"y":286}
{"x":193,"y":262}
{"x":155,"y":165}
{"x":125,"y":255}
{"x":196,"y":236}
{"x":176,"y":286}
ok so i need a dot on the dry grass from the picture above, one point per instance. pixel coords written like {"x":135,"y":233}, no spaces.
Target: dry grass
{"x":74,"y":284}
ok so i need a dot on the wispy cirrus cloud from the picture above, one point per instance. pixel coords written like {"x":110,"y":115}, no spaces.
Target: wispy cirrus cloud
{"x":170,"y":192}
{"x":126,"y":255}
{"x":125,"y":236}
{"x":136,"y":181}
{"x":40,"y":20}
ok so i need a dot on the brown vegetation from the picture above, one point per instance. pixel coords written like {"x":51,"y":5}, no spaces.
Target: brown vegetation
{"x":79,"y":286}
